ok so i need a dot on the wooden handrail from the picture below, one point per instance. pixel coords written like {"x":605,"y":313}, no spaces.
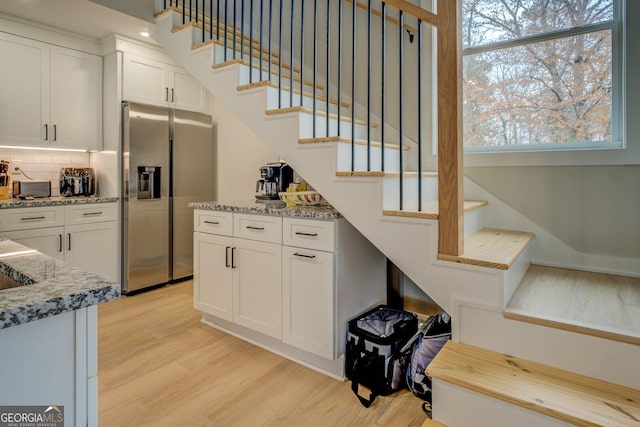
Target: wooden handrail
{"x":413,"y":10}
{"x":388,"y":18}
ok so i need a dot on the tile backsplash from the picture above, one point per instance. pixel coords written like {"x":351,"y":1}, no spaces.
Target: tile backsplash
{"x":42,"y":164}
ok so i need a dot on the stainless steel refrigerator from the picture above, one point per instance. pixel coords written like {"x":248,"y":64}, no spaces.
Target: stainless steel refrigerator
{"x":167,"y":162}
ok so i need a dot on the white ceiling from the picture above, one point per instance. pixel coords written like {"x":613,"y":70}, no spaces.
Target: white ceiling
{"x":78,"y":16}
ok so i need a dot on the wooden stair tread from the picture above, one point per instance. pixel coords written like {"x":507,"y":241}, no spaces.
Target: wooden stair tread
{"x":255,"y":54}
{"x":492,"y":248}
{"x":430,"y":209}
{"x":431,"y":423}
{"x":274,"y":85}
{"x":256,"y":65}
{"x":357,"y":141}
{"x":564,"y":395}
{"x":307,"y":110}
{"x":597,"y":304}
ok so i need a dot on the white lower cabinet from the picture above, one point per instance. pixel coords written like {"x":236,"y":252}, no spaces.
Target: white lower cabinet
{"x":82,"y":235}
{"x":212,"y":281}
{"x":308,"y":300}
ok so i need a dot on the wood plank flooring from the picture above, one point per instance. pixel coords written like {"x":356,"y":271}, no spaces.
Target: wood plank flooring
{"x":158,"y":365}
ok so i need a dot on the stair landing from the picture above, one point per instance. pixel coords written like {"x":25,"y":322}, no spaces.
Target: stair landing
{"x":603,"y":305}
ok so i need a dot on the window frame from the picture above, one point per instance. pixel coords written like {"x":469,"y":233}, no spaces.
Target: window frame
{"x":620,"y":150}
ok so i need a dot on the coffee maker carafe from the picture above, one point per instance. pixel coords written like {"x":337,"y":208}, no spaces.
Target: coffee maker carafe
{"x":274,"y":178}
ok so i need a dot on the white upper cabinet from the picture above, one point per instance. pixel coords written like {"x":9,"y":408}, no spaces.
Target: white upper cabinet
{"x":51,"y":96}
{"x":24,"y":98}
{"x":154,"y":82}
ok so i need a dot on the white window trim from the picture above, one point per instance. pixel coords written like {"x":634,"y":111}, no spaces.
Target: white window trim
{"x":626,"y":152}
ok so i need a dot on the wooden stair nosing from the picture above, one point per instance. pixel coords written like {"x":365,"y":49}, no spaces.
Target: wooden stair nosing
{"x":307,"y":110}
{"x":255,"y":54}
{"x":357,"y":141}
{"x":219,"y":65}
{"x":492,"y":248}
{"x":431,"y":423}
{"x":274,"y":85}
{"x":430,"y":210}
{"x":557,"y":393}
{"x":360,"y":173}
{"x":569,"y":326}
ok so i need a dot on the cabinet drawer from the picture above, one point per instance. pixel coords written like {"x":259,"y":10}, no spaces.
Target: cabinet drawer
{"x":94,"y":212}
{"x":213,"y":222}
{"x":309,"y":233}
{"x":258,"y":227}
{"x":28,"y":218}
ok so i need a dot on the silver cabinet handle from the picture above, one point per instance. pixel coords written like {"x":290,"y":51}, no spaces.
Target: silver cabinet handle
{"x":226,"y":256}
{"x":233,"y":258}
{"x":172,"y":95}
{"x":68,"y":241}
{"x":46,"y":132}
{"x":32,"y":218}
{"x":212,"y":222}
{"x":299,"y":233}
{"x":59,"y":242}
{"x":91,"y":213}
{"x":166,"y":94}
{"x":55,"y":133}
{"x":303,"y":255}
{"x":251,"y":227}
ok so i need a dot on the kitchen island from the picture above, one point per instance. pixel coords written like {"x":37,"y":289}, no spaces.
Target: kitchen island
{"x":48,"y":332}
{"x":287,"y":279}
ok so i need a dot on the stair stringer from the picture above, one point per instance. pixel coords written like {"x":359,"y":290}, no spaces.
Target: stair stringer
{"x":410,"y":243}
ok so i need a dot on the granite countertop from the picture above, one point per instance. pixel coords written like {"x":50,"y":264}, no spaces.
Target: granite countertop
{"x":49,"y":286}
{"x":275,"y":208}
{"x":54,"y":201}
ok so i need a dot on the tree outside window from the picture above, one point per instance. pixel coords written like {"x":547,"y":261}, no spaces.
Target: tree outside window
{"x":539,"y":73}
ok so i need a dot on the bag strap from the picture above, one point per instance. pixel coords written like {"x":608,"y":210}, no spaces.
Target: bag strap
{"x":366,"y":402}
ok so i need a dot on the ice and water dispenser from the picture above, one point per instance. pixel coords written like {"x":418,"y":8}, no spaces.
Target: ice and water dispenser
{"x":149,"y":182}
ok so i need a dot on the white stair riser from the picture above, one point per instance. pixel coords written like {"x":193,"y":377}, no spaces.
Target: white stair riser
{"x":307,"y":101}
{"x":360,"y":156}
{"x":391,"y":186}
{"x":473,"y":221}
{"x":306,"y":127}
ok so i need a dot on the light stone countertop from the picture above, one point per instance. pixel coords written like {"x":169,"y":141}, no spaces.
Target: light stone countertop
{"x":275,"y":208}
{"x":50,"y":286}
{"x":54,"y":201}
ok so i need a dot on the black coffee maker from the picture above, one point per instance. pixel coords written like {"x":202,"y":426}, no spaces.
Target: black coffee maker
{"x":274,"y":178}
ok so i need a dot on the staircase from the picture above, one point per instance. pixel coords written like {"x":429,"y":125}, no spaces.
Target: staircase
{"x":342,"y":147}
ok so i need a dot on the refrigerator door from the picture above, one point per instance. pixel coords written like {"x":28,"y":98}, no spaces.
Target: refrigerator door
{"x":192,"y":151}
{"x":145,"y":165}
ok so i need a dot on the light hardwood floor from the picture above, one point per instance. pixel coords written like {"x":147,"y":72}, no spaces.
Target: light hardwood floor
{"x":158,"y":365}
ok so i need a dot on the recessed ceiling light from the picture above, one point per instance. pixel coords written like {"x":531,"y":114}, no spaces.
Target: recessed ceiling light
{"x":144,"y":33}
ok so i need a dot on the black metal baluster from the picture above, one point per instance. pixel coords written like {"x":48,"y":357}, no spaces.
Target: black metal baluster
{"x":353,"y":85}
{"x":195,"y":11}
{"x":233,"y":28}
{"x":315,"y":61}
{"x":269,"y":47}
{"x":369,"y":85}
{"x":340,"y":61}
{"x":225,"y":30}
{"x":190,"y":18}
{"x":419,"y":115}
{"x":210,"y":19}
{"x":291,"y":50}
{"x":164,"y":4}
{"x":251,"y":42}
{"x":301,"y":52}
{"x":400,"y":60}
{"x":280,"y":57}
{"x":242,"y":30}
{"x":328,"y":78}
{"x":383,"y":24}
{"x":183,"y":12}
{"x":217,"y":19}
{"x":260,"y":52}
{"x":204,"y":29}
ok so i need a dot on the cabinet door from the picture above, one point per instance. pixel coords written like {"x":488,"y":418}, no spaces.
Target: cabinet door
{"x":93,"y":248}
{"x":76,"y":99}
{"x":257,"y":286}
{"x":144,"y":80}
{"x":308,"y":300}
{"x":212,"y":283}
{"x":188,"y":93}
{"x":48,"y":240}
{"x":24,"y":98}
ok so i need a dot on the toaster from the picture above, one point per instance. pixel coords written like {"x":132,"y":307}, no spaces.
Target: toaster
{"x":32,"y":188}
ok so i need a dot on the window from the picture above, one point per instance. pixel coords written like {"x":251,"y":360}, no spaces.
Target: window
{"x":541,"y":74}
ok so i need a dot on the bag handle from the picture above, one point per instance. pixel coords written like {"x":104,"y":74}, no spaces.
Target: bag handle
{"x":366,"y":402}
